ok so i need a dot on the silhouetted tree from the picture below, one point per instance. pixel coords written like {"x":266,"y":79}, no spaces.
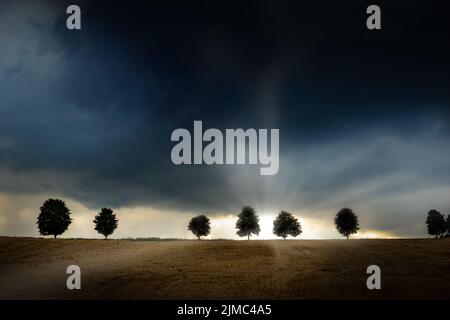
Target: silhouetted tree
{"x":200,"y":226}
{"x":248,"y":223}
{"x":286,"y":224}
{"x":105,"y":222}
{"x":447,"y":222}
{"x":436,"y":223}
{"x":54,"y":218}
{"x":346,"y":222}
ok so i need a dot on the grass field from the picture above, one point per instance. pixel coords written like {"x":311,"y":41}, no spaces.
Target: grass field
{"x":301,"y":269}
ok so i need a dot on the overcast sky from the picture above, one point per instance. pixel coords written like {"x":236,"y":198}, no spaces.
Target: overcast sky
{"x":364,"y":116}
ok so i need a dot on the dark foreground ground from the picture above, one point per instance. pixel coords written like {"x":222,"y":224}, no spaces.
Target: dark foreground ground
{"x":301,"y":269}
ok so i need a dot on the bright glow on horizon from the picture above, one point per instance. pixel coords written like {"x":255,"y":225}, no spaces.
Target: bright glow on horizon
{"x":373,"y":234}
{"x":224,"y":227}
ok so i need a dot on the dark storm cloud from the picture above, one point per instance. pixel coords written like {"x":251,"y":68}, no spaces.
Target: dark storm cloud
{"x":362,"y":114}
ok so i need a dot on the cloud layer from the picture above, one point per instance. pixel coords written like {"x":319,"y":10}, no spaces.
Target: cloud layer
{"x":363,"y":118}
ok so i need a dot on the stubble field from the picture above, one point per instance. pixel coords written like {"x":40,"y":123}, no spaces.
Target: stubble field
{"x":301,"y":269}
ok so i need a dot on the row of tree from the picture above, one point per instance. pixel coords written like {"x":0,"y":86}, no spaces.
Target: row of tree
{"x":54,"y":219}
{"x":285,"y":224}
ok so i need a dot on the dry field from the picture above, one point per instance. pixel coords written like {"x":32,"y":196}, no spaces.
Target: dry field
{"x":300,"y":269}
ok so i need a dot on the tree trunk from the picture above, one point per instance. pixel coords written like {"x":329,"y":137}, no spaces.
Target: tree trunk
{"x":198,"y":237}
{"x":106,"y":237}
{"x":54,"y":236}
{"x":347,"y":237}
{"x":248,"y":237}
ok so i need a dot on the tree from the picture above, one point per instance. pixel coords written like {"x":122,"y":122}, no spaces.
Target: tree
{"x":286,"y":224}
{"x":200,"y":226}
{"x":346,"y":222}
{"x":248,"y":223}
{"x":436,"y":223}
{"x":447,"y":222}
{"x":105,"y":222}
{"x":54,"y":218}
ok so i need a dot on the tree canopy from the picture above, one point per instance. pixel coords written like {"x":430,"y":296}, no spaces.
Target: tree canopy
{"x":200,"y":226}
{"x":54,"y":218}
{"x":286,"y":224}
{"x":436,"y":223}
{"x":447,"y":223}
{"x":105,"y":222}
{"x":346,"y":222}
{"x":247,"y":223}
